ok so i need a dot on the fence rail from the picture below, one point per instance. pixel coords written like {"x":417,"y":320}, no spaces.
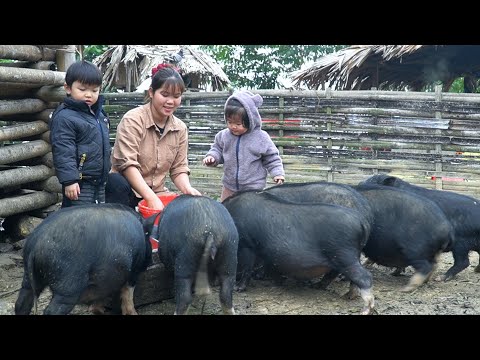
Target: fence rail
{"x":429,"y":139}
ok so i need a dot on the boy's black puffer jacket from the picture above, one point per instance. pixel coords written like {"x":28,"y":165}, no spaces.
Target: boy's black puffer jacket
{"x":75,"y":131}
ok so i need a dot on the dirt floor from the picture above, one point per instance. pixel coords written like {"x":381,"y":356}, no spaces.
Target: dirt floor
{"x":458,"y":296}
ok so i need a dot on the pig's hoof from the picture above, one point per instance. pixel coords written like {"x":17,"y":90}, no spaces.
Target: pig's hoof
{"x":368,"y":311}
{"x":96,"y":309}
{"x":409,"y":288}
{"x":240,"y":288}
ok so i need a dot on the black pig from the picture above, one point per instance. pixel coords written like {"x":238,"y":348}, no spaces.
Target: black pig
{"x":301,"y":240}
{"x":87,"y":254}
{"x":408,"y":230}
{"x":463,"y":212}
{"x":197,"y":238}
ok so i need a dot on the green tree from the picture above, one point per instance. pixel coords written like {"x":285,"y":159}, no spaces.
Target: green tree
{"x":263,"y":66}
{"x":458,"y":86}
{"x":90,"y":52}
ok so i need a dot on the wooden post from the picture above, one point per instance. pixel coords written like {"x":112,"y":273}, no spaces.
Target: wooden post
{"x":438,"y":147}
{"x":154,"y":285}
{"x":328,"y":95}
{"x":65,"y":57}
{"x":281,"y":104}
{"x":375,"y":151}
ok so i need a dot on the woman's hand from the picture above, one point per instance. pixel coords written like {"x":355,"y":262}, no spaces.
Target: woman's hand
{"x":154,"y":203}
{"x":192,"y":191}
{"x":182,"y":182}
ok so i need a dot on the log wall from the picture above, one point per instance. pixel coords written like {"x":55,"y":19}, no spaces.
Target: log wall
{"x":30,"y":88}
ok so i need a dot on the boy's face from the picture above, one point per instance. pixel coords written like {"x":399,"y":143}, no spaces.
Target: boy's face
{"x":235,"y":125}
{"x":83,"y":92}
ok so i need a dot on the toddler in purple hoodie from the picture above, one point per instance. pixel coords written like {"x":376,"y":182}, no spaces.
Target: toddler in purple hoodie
{"x":247,"y":152}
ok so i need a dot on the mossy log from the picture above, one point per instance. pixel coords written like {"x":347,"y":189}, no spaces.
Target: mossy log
{"x":44,"y":65}
{"x":32,"y":76}
{"x":43,"y":115}
{"x":20,"y":131}
{"x":21,"y":52}
{"x":17,"y":152}
{"x":47,"y":159}
{"x":25,"y":175}
{"x":11,"y":90}
{"x":23,"y":106}
{"x":24,"y":225}
{"x":51,"y":185}
{"x":51,"y":93}
{"x":21,"y":204}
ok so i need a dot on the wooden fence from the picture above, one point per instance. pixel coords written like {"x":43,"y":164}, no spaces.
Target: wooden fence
{"x":429,"y":139}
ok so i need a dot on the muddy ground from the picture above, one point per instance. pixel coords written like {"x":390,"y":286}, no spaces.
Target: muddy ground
{"x":459,"y":296}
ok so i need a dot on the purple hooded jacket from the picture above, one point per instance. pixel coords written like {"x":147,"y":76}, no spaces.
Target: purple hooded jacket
{"x":247,"y":158}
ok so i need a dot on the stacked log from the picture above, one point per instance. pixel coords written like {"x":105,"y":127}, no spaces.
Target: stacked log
{"x":31,"y":87}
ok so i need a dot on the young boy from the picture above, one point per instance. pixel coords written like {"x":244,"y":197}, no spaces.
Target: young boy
{"x":79,"y":137}
{"x":246,"y":151}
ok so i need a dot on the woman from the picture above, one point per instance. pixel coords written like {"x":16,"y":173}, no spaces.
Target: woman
{"x":150,"y":143}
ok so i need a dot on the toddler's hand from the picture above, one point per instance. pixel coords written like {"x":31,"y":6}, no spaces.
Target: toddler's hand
{"x":209,"y":160}
{"x":279,"y":180}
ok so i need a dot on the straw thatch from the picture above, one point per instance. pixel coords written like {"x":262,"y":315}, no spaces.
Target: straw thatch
{"x":125,"y":67}
{"x":393,"y":67}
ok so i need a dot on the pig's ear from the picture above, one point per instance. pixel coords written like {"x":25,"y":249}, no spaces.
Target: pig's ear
{"x":389,"y":180}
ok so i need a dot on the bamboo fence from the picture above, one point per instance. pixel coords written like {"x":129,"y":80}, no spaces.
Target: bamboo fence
{"x":428,"y":139}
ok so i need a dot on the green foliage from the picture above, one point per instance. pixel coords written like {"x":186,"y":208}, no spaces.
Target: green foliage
{"x":457,"y":86}
{"x":262,"y":66}
{"x":90,"y":52}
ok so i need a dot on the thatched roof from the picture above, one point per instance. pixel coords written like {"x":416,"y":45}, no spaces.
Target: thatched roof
{"x":127,"y":66}
{"x":391,"y":67}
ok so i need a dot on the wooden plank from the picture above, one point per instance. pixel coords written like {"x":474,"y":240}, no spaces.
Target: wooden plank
{"x":155,"y":284}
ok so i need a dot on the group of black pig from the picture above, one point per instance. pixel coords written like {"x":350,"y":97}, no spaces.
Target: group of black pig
{"x":94,"y":254}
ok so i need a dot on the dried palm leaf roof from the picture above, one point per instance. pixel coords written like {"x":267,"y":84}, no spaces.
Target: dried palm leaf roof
{"x":127,"y":66}
{"x":393,"y":67}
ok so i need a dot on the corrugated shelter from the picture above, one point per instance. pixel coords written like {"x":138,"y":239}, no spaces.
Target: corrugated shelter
{"x":393,"y":67}
{"x":125,"y":67}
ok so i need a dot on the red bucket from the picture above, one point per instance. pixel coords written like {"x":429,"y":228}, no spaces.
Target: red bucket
{"x":147,"y":212}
